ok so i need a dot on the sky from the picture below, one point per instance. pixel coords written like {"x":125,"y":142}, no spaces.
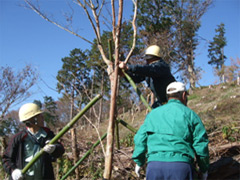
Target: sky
{"x":26,"y":38}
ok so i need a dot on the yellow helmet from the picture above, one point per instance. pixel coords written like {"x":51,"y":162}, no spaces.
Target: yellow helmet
{"x":29,"y":110}
{"x":153,"y":50}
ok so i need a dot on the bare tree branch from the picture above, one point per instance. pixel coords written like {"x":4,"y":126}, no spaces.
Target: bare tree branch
{"x":99,"y":137}
{"x":134,"y":31}
{"x":96,"y":29}
{"x":14,"y":88}
{"x":35,"y":9}
{"x":113,"y":20}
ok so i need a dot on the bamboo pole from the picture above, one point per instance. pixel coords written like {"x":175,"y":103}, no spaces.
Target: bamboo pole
{"x":137,"y":90}
{"x":127,"y":126}
{"x":84,"y":157}
{"x":95,"y":145}
{"x":62,"y":132}
{"x":117,"y":135}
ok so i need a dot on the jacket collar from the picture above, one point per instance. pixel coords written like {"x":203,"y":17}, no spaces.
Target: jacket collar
{"x":174,"y":100}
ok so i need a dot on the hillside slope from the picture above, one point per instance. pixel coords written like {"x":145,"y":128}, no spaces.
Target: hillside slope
{"x":218,"y":106}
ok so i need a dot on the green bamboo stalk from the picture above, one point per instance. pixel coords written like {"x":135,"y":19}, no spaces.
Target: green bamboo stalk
{"x":62,"y":132}
{"x":85,"y":156}
{"x":127,"y":126}
{"x":117,"y":135}
{"x":137,"y":90}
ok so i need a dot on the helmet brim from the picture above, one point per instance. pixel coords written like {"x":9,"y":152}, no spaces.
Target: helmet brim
{"x":30,"y":117}
{"x":148,"y":57}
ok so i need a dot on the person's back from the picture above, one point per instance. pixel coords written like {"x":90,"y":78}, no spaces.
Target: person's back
{"x":157,"y":75}
{"x":170,"y":131}
{"x":156,"y":72}
{"x":172,"y":135}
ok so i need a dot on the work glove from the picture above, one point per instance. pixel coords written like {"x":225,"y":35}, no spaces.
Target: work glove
{"x":17,"y":174}
{"x":137,"y":170}
{"x":49,"y":148}
{"x":205,"y":175}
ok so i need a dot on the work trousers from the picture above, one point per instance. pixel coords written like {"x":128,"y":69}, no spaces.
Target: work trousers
{"x":157,"y":170}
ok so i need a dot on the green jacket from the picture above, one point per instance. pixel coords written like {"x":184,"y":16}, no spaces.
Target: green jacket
{"x":171,"y":133}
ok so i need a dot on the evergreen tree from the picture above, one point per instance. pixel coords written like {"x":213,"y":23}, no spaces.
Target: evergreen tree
{"x":39,"y":103}
{"x":98,"y":66}
{"x":155,"y":20}
{"x":50,"y":110}
{"x":74,"y":77}
{"x":216,"y":48}
{"x":173,"y":25}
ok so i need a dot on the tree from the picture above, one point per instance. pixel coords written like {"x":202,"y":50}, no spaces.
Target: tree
{"x":10,"y":124}
{"x":188,"y":16}
{"x":232,"y":72}
{"x":216,"y":49}
{"x":155,"y":25}
{"x":99,"y":67}
{"x":187,"y":23}
{"x":73,"y":78}
{"x":94,"y":12}
{"x":173,"y":25}
{"x":50,"y":107}
{"x":15,"y":86}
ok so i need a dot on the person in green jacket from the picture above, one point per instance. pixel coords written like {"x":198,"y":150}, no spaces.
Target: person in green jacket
{"x":170,"y":138}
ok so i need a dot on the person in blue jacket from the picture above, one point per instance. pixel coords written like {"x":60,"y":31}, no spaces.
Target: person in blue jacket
{"x":24,"y":145}
{"x":170,"y":138}
{"x":156,"y":72}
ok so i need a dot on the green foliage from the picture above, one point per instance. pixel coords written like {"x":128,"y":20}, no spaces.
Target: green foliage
{"x":50,"y":110}
{"x":231,"y":132}
{"x":8,"y":126}
{"x":194,"y":96}
{"x":3,"y":175}
{"x":65,"y":164}
{"x":187,"y":14}
{"x":74,"y":71}
{"x":156,"y":17}
{"x":74,"y":78}
{"x":173,"y":25}
{"x":95,"y":169}
{"x":156,"y":25}
{"x":98,"y":66}
{"x":215,"y":51}
{"x":128,"y":140}
{"x":39,"y":103}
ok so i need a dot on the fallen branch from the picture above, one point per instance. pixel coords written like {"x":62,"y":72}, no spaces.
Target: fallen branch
{"x":218,"y":149}
{"x":227,"y":146}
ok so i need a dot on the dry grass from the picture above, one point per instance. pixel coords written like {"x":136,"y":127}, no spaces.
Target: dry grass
{"x":217,"y":106}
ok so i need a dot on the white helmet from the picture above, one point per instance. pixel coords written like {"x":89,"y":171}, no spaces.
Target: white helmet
{"x":153,"y":50}
{"x":29,"y":110}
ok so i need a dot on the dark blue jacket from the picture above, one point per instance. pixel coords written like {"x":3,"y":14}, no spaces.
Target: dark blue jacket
{"x":157,"y":75}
